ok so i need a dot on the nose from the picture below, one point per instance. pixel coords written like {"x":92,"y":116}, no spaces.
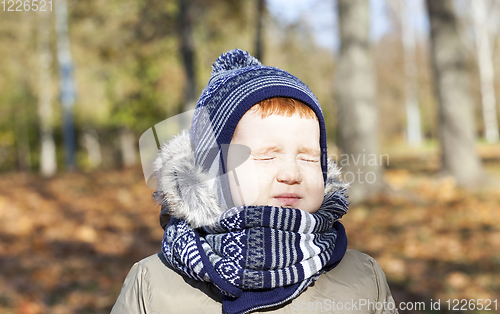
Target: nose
{"x":289,"y":173}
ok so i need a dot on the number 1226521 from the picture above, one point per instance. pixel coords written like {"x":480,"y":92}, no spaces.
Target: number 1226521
{"x":27,"y":5}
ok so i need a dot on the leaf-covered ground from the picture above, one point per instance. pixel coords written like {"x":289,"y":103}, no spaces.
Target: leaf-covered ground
{"x":439,"y":242}
{"x":68,"y":243}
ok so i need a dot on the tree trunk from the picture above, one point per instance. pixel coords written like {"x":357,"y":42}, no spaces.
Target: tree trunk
{"x":91,"y":144}
{"x":48,"y":164}
{"x":486,"y":70}
{"x":413,"y":127}
{"x":451,"y":80}
{"x":66,"y":82}
{"x":22,"y":118}
{"x":186,"y":43}
{"x":356,"y":100}
{"x":258,"y":33}
{"x":128,"y":146}
{"x":22,"y":139}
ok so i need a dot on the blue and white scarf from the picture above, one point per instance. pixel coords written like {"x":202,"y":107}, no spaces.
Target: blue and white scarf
{"x":260,"y":256}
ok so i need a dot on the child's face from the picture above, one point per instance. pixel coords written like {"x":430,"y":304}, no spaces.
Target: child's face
{"x":284,"y":168}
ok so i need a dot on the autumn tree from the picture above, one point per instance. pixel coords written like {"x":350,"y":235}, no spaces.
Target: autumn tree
{"x":258,"y":30}
{"x":484,"y":54}
{"x":403,"y":10}
{"x":67,"y":87}
{"x":356,"y":100}
{"x":451,"y":79}
{"x":187,"y":51}
{"x":48,"y":163}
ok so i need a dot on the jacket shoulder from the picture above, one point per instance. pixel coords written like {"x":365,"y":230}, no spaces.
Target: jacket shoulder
{"x":152,"y":286}
{"x":353,"y":277}
{"x":348,"y":288}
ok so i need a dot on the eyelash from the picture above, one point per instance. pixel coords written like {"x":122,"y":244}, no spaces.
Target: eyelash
{"x":309,"y":160}
{"x":265,"y":158}
{"x":273,"y":158}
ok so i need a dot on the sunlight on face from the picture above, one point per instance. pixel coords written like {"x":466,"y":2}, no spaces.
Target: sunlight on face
{"x":284,"y":168}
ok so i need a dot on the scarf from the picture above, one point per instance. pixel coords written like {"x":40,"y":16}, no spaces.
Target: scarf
{"x":260,"y":256}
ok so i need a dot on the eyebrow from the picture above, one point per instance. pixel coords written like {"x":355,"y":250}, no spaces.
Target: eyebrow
{"x":310,"y":151}
{"x":266,"y":150}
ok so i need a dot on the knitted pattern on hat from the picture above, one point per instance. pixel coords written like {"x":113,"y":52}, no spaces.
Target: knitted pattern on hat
{"x":233,"y":60}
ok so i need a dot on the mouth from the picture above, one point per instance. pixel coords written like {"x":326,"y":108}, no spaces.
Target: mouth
{"x":287,"y":199}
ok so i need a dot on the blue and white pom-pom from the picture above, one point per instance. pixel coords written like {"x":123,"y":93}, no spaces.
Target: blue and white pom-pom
{"x":232,"y":60}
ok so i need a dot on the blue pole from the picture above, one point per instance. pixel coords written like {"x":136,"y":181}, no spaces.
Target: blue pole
{"x":66,"y":82}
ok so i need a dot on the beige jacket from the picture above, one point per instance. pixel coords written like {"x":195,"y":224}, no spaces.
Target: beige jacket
{"x":356,"y":285}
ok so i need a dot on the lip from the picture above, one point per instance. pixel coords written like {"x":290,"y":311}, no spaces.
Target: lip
{"x":287,"y":199}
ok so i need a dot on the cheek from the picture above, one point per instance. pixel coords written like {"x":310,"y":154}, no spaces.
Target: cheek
{"x":266,"y":174}
{"x":315,"y":189}
{"x":251,"y":180}
{"x":313,"y":177}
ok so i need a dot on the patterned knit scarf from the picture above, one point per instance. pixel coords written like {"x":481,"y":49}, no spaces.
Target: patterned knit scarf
{"x":260,"y":256}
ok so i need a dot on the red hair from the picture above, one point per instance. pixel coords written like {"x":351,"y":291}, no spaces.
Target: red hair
{"x":283,"y":106}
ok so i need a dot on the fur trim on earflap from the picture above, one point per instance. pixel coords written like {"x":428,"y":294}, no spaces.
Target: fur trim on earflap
{"x":183,"y":187}
{"x":189,"y":192}
{"x":334,"y":180}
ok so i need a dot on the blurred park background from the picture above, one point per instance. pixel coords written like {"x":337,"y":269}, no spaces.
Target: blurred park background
{"x":409,"y":90}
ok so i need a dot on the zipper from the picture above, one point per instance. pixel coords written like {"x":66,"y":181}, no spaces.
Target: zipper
{"x":293,"y":296}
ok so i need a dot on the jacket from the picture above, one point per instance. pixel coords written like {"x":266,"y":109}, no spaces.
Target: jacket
{"x":356,"y":285}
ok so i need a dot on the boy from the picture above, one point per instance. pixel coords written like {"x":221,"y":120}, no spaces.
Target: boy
{"x":255,"y":206}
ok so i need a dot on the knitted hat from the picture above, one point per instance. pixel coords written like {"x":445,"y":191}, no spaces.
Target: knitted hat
{"x":238,"y":82}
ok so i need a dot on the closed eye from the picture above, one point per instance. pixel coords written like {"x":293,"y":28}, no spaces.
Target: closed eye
{"x":263,"y":158}
{"x":309,"y":159}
